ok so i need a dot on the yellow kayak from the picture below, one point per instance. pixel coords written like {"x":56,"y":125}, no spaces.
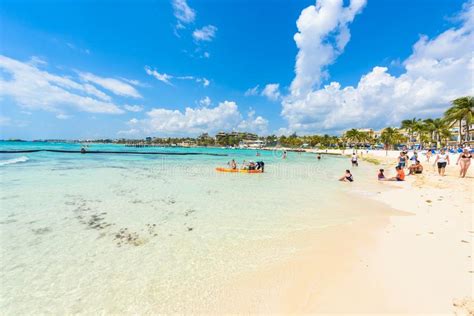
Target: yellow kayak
{"x":238,"y":170}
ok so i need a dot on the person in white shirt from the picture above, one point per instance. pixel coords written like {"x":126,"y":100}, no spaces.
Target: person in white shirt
{"x":443,"y":160}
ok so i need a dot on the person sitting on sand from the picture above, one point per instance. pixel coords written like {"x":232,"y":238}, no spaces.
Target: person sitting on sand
{"x":443,"y":160}
{"x":244,"y":165}
{"x":347,"y":177}
{"x":381,"y":176}
{"x":464,"y":161}
{"x":260,"y":166}
{"x":232,"y":164}
{"x":417,"y":168}
{"x":400,"y":174}
{"x":252,"y":165}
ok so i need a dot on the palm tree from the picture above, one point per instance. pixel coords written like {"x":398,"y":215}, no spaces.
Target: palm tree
{"x":389,"y":137}
{"x":428,"y":127}
{"x":462,"y":109}
{"x":411,"y":126}
{"x":439,"y":127}
{"x":353,"y":135}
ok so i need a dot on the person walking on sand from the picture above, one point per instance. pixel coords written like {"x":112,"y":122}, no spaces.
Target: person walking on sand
{"x":464,"y":161}
{"x":443,"y":160}
{"x":428,"y":155}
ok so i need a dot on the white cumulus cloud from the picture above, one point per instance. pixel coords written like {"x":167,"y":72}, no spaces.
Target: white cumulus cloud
{"x":206,"y":101}
{"x":252,"y":91}
{"x":322,"y":35}
{"x":33,"y":88}
{"x":438,"y":70}
{"x":116,"y":86}
{"x":193,"y":121}
{"x":254,"y":124}
{"x":272,"y":91}
{"x":62,"y":116}
{"x":166,"y":78}
{"x":160,"y":76}
{"x":183,"y":12}
{"x":207,"y":33}
{"x":133,"y":108}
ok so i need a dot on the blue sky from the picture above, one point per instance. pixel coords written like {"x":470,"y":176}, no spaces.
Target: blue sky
{"x":133,"y":67}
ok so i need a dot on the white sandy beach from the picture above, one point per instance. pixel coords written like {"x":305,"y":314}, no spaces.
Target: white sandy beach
{"x":415,"y":259}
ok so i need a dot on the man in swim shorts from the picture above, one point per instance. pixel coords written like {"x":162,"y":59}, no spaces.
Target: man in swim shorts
{"x":443,"y":160}
{"x":260,"y":165}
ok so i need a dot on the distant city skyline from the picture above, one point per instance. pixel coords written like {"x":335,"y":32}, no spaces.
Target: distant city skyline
{"x":132,"y":69}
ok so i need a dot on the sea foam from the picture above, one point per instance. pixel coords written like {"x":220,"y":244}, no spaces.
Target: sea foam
{"x":13,"y":161}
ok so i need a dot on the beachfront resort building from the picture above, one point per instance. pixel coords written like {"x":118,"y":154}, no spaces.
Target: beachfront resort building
{"x":456,"y":138}
{"x":247,"y":143}
{"x":240,"y":135}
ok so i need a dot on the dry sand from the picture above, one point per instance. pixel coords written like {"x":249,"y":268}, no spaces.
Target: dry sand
{"x":414,"y":258}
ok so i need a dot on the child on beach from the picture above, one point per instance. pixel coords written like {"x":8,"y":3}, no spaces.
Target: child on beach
{"x":381,"y":176}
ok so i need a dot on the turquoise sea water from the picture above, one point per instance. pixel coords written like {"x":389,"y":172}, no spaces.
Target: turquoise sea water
{"x":135,"y":233}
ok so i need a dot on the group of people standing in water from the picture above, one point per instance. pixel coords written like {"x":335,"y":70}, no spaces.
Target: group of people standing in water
{"x":413,"y":164}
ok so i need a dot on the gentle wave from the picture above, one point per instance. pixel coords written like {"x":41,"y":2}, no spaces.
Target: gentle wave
{"x":13,"y":160}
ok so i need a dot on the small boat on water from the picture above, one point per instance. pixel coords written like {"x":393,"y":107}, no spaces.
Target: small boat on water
{"x":238,"y":170}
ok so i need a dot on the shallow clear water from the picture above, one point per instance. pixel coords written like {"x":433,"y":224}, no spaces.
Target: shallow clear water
{"x":119,"y":233}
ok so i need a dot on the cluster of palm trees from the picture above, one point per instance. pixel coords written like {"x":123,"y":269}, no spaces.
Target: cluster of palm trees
{"x":423,"y":132}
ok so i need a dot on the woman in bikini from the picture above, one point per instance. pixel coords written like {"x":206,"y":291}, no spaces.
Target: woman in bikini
{"x":464,"y":161}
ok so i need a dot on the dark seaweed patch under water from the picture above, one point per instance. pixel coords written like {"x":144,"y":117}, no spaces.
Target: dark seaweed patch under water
{"x":88,"y":216}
